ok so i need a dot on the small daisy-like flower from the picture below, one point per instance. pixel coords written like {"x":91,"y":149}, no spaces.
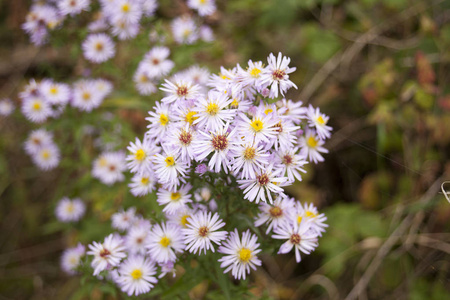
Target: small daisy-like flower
{"x":181,"y":217}
{"x":144,"y":83}
{"x":128,"y":11}
{"x":311,"y":146}
{"x":198,"y":75}
{"x":124,"y":30}
{"x":55,"y":93}
{"x":169,"y":167}
{"x":291,"y":163}
{"x":37,"y":139}
{"x":262,"y":187}
{"x":36,"y":109}
{"x":184,"y":30}
{"x":109,"y":167}
{"x":204,"y":7}
{"x":136,"y":239}
{"x":98,"y":48}
{"x":159,"y":121}
{"x":70,"y":210}
{"x":286,"y":138}
{"x":164,"y":241}
{"x":123,"y":220}
{"x":72,"y":7}
{"x":260,"y":128}
{"x":107,"y":254}
{"x":220,"y":143}
{"x":240,"y":254}
{"x":156,"y":62}
{"x":71,"y":257}
{"x":47,"y":157}
{"x":183,"y":140}
{"x":142,"y":184}
{"x":294,"y":111}
{"x":174,"y":200}
{"x":86,"y":96}
{"x":308,"y":212}
{"x":276,"y":75}
{"x":140,"y":158}
{"x":206,"y":34}
{"x":319,"y":122}
{"x":252,"y":76}
{"x":179,"y":90}
{"x":249,"y":159}
{"x":212,"y":113}
{"x":275,"y":214}
{"x":298,"y":236}
{"x":202,"y":230}
{"x":137,"y":275}
{"x":6,"y":107}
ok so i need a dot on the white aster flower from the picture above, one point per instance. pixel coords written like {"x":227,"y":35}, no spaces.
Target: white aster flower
{"x":70,"y":210}
{"x":137,"y":275}
{"x":240,"y":254}
{"x":212,"y":112}
{"x":71,"y":257}
{"x":308,"y":212}
{"x":156,"y":62}
{"x":262,"y":187}
{"x":159,"y":121}
{"x":107,"y":254}
{"x":291,"y":163}
{"x":164,"y":241}
{"x":144,"y":83}
{"x":169,"y":168}
{"x":174,"y":200}
{"x":55,"y":93}
{"x":37,"y":139}
{"x":123,"y":220}
{"x":294,"y":111}
{"x":181,"y":217}
{"x":140,"y":158}
{"x":98,"y":47}
{"x":183,"y":139}
{"x":276,"y":214}
{"x":219,"y":142}
{"x":72,"y":7}
{"x":319,"y":121}
{"x":204,"y":7}
{"x":184,"y":30}
{"x":136,"y":239}
{"x":276,"y":75}
{"x":248,"y":159}
{"x":47,"y":157}
{"x":142,"y":184}
{"x":202,"y":230}
{"x":179,"y":90}
{"x":36,"y":109}
{"x":86,"y":96}
{"x":311,"y":146}
{"x":124,"y":30}
{"x":109,"y":167}
{"x":6,"y":107}
{"x":260,"y":128}
{"x":298,"y":236}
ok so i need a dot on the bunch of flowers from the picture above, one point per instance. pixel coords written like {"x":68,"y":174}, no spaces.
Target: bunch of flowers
{"x":232,"y":140}
{"x":122,"y":18}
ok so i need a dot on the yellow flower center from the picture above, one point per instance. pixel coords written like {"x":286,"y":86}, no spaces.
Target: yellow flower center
{"x":249,"y":153}
{"x":86,"y":96}
{"x":235,"y":103}
{"x":310,"y":214}
{"x":45,"y":154}
{"x":144,"y":180}
{"x":320,"y":120}
{"x":312,"y":142}
{"x":184,"y":221}
{"x":245,"y":255}
{"x":257,"y":125}
{"x":255,"y":72}
{"x":163,"y":119}
{"x":125,"y":7}
{"x":186,"y":33}
{"x":170,"y":161}
{"x":299,"y":219}
{"x":175,"y":196}
{"x":70,"y":208}
{"x":103,"y":162}
{"x":54,"y":90}
{"x":37,"y":105}
{"x":136,"y":274}
{"x":212,"y":109}
{"x":190,"y":117}
{"x":267,"y":111}
{"x":224,"y":76}
{"x":165,"y":242}
{"x":140,"y":154}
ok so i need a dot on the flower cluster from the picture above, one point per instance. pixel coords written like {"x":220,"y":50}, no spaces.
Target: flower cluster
{"x":122,"y":18}
{"x":223,"y":131}
{"x":42,"y":149}
{"x":231,"y":129}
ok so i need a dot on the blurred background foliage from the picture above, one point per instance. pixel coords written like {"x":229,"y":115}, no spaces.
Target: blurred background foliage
{"x":379,"y":68}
